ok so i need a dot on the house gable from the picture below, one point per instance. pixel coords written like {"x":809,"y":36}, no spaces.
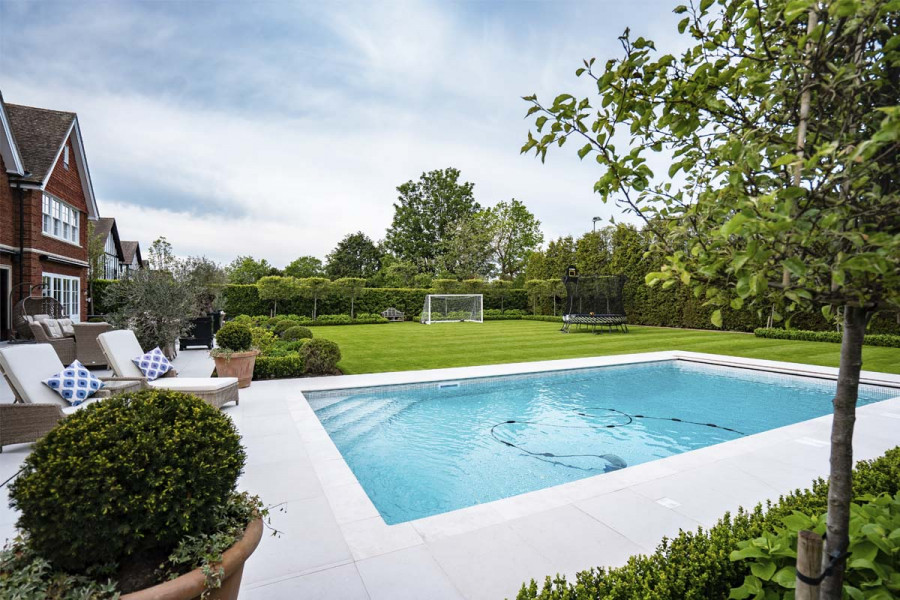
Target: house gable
{"x":9,"y":151}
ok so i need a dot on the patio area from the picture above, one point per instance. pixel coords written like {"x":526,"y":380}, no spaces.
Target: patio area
{"x":334,"y":544}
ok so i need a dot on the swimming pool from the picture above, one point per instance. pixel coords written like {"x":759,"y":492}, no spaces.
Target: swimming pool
{"x":424,"y":449}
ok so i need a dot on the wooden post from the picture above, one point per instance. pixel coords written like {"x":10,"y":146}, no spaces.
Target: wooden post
{"x":809,"y":562}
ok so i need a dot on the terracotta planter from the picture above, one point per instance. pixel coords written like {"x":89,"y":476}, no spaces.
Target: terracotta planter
{"x":239,"y":364}
{"x":190,"y":586}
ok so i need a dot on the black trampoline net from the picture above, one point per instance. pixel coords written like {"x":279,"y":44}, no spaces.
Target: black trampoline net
{"x":595,"y":295}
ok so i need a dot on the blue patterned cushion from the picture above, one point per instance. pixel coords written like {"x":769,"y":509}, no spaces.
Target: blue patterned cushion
{"x":154,"y":364}
{"x":74,"y":383}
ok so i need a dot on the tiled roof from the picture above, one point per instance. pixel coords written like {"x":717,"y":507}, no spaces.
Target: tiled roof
{"x":39,"y":134}
{"x":103,"y":227}
{"x":128,"y":250}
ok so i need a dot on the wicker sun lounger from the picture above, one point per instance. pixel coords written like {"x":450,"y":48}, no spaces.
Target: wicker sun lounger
{"x":37,"y":408}
{"x":121,"y":346}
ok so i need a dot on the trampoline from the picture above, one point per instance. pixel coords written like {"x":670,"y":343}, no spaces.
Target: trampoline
{"x":594,"y":301}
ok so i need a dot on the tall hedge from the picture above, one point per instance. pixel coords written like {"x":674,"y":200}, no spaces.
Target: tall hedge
{"x":244,"y":299}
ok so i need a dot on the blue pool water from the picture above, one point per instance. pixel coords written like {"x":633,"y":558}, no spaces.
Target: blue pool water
{"x":424,"y":449}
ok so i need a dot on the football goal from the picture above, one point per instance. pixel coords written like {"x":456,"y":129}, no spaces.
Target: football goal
{"x":444,"y":308}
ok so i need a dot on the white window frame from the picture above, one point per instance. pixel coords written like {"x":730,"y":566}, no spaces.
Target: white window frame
{"x":66,"y":156}
{"x":110,"y":259}
{"x":67,"y":291}
{"x":60,"y":220}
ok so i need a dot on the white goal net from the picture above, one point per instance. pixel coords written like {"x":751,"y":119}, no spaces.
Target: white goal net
{"x":444,"y":308}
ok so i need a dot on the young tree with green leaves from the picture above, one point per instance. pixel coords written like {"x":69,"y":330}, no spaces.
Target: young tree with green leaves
{"x":501,"y":287}
{"x":160,"y":256}
{"x":513,"y":233}
{"x":305,"y":266}
{"x":275,"y":288}
{"x":351,"y":287}
{"x":783,"y":117}
{"x":426,"y":214}
{"x":354,"y":256}
{"x":246,"y":270}
{"x":315,"y":288}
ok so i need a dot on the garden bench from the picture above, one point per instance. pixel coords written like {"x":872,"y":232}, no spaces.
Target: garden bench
{"x":392,"y":314}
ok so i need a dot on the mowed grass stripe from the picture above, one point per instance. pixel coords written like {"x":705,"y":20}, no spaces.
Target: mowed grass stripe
{"x":412,"y":346}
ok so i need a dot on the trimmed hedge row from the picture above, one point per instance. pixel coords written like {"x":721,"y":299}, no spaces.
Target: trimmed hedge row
{"x":890,"y":341}
{"x":278,"y":367}
{"x":244,"y":299}
{"x":696,"y":565}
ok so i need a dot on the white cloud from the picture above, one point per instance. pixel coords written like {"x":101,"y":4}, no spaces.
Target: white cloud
{"x":299,"y":142}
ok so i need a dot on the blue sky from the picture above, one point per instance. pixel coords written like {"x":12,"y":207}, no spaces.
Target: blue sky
{"x":274,"y":128}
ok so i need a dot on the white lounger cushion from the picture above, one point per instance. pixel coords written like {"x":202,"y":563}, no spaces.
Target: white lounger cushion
{"x":71,"y":409}
{"x":120,"y":346}
{"x":193,"y":384}
{"x":27,"y":366}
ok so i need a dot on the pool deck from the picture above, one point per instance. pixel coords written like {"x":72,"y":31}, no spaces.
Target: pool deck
{"x":334,"y":544}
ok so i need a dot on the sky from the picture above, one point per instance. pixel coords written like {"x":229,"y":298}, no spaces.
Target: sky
{"x":273,"y":129}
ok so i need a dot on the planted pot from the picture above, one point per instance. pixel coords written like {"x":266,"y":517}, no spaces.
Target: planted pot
{"x":190,"y":586}
{"x":237,"y":364}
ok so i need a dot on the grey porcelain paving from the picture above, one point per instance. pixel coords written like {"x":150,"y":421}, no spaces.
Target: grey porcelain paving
{"x":409,"y":574}
{"x":636,"y":517}
{"x":337,"y":583}
{"x":333,"y":544}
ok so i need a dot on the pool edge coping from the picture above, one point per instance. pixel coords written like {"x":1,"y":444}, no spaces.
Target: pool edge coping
{"x":361,"y":522}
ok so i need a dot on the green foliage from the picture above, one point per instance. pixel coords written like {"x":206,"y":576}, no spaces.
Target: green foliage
{"x":263,"y":339}
{"x":132,"y":474}
{"x":890,"y":341}
{"x":305,"y":266}
{"x":695,"y":565}
{"x":426,"y":214}
{"x":514,"y":233}
{"x":26,"y":575}
{"x":314,"y":288}
{"x":277,"y":288}
{"x":102,"y":302}
{"x":157,"y":305}
{"x":320,"y":356}
{"x":282,"y":325}
{"x":872,"y":569}
{"x":244,"y":299}
{"x":445,"y":286}
{"x":351,"y":287}
{"x":234,"y":337}
{"x":292,"y":334}
{"x":467,"y":253}
{"x":355,"y":256}
{"x":278,"y":367}
{"x":245,"y":270}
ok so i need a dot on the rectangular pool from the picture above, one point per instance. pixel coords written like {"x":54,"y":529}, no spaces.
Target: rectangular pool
{"x":428,"y":448}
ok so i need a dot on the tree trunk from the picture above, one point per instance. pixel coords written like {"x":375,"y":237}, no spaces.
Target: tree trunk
{"x":315,"y":306}
{"x":351,"y":307}
{"x":840,"y":490}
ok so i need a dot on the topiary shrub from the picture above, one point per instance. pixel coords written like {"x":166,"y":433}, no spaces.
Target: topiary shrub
{"x":235,"y":337}
{"x":298,"y":332}
{"x":131,"y":475}
{"x":283,"y":325}
{"x":278,"y":367}
{"x":285,"y":348}
{"x":263,"y":339}
{"x":320,"y":357}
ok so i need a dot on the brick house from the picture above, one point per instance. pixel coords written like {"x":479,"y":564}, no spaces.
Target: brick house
{"x":132,"y":260}
{"x":46,"y":201}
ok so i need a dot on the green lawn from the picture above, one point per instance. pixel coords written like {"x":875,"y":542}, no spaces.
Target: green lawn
{"x":411,"y":346}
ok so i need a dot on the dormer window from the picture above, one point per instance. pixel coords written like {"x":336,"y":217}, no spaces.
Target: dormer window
{"x":66,"y":156}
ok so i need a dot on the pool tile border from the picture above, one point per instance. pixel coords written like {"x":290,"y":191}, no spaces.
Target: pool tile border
{"x":366,"y":533}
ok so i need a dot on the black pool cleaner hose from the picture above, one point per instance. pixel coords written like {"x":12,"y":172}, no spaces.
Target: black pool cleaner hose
{"x":613,"y":461}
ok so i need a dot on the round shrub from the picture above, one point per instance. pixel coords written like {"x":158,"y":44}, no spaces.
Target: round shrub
{"x":297,"y":332}
{"x":282,"y":326}
{"x":243,"y":320}
{"x":234,"y":336}
{"x":320,"y":357}
{"x":285,"y":348}
{"x":133,"y":474}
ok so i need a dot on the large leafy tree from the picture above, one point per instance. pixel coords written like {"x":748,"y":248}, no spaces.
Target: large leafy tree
{"x":514,"y":232}
{"x":783,"y":117}
{"x":305,"y":266}
{"x":467,"y":253}
{"x":355,"y":256}
{"x":426,"y":214}
{"x":247,"y":270}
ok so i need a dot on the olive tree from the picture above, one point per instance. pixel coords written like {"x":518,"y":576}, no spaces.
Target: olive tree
{"x":782,"y":118}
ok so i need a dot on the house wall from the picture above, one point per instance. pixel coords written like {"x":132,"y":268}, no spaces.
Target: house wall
{"x":65,"y":184}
